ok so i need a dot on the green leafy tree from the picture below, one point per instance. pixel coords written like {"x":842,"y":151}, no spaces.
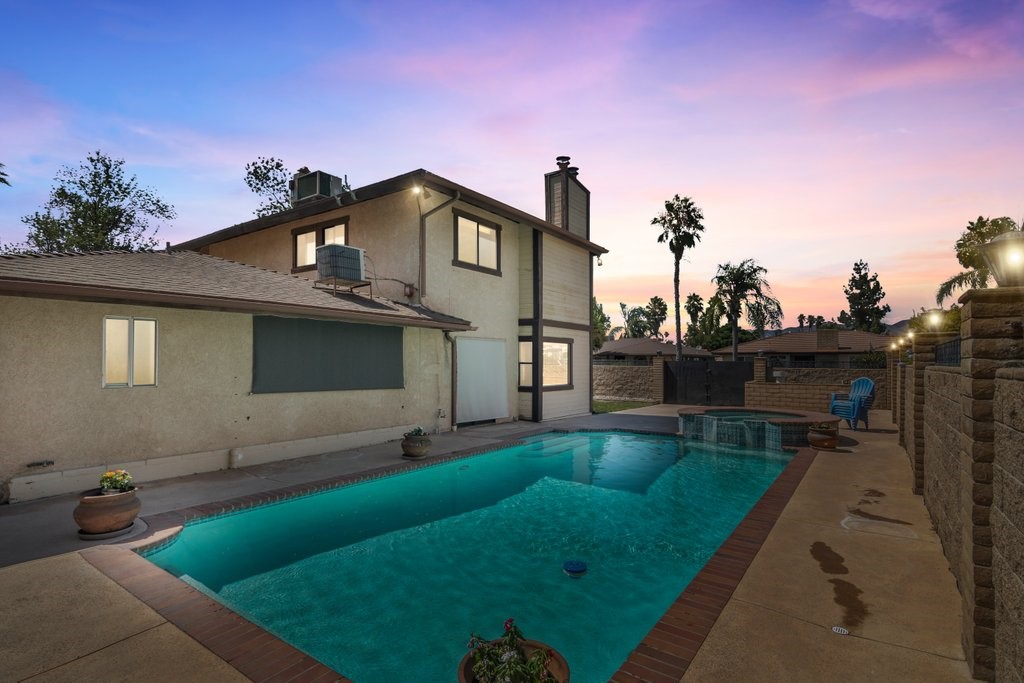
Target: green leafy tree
{"x":95,"y":207}
{"x":655,"y":313}
{"x":694,"y":307}
{"x":268,"y":178}
{"x":700,"y":334}
{"x":681,"y":226}
{"x":599,"y":324}
{"x":634,"y":320}
{"x":3,"y":176}
{"x":864,"y":294}
{"x":949,"y":321}
{"x":743,"y":286}
{"x":968,"y":253}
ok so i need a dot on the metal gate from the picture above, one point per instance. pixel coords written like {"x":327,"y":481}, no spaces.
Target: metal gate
{"x":707,"y":383}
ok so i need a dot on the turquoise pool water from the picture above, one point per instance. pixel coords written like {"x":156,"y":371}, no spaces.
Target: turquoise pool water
{"x":385,"y":580}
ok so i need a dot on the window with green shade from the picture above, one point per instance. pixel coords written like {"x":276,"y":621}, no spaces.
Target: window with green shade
{"x":129,"y":352}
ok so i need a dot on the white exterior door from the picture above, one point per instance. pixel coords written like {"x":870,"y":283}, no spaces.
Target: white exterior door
{"x":481,"y":384}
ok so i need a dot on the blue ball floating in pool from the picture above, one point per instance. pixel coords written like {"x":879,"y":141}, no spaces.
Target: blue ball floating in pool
{"x":575,"y":568}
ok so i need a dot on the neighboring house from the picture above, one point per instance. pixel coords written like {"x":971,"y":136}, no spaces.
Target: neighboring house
{"x":814,"y":348}
{"x":643,"y":352}
{"x":472,"y":310}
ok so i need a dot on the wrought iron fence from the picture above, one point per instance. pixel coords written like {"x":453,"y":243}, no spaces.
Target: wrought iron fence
{"x":948,"y":353}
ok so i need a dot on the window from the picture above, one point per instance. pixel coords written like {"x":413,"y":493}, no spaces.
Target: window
{"x":129,"y":352}
{"x":306,"y":240}
{"x":556,"y":356}
{"x":477,"y":244}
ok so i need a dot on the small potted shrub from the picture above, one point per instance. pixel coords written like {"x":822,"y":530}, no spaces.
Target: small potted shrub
{"x":109,"y":510}
{"x":511,"y":658}
{"x":416,"y":444}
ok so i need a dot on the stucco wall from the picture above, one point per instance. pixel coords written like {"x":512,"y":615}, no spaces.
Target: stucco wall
{"x":625,"y":382}
{"x":1008,"y":523}
{"x":55,"y":408}
{"x":942,"y":471}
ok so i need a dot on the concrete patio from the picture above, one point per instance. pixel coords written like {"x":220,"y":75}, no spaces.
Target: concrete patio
{"x":853,"y":548}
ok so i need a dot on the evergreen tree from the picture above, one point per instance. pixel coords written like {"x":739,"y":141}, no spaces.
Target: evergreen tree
{"x":864,"y":294}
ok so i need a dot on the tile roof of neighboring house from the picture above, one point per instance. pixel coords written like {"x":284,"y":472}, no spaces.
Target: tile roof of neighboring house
{"x":406,"y":181}
{"x":850,"y":341}
{"x":191,"y":280}
{"x":646,"y":347}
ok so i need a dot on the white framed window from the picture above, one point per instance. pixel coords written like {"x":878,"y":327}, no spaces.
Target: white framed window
{"x":129,"y":352}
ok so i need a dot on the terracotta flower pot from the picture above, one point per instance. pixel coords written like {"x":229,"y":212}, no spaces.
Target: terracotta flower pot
{"x":106,"y":515}
{"x":557,"y":666}
{"x":414,"y":447}
{"x":823,"y":439}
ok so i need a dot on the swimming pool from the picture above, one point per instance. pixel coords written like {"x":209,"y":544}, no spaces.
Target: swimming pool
{"x":384,"y":580}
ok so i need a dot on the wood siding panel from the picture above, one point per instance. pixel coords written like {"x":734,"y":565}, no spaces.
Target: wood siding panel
{"x":566,"y":282}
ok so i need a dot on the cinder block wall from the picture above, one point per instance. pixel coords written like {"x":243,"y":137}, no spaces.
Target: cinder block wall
{"x":941,"y":475}
{"x":625,"y":383}
{"x":843,"y":376}
{"x":1008,"y":523}
{"x":813,"y":397}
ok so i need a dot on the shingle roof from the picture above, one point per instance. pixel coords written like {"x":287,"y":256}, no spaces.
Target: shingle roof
{"x":419,"y":177}
{"x":189,"y":279}
{"x":646,"y":347}
{"x":850,"y":341}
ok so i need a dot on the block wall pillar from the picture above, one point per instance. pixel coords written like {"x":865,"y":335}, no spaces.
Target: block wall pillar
{"x":658,"y":379}
{"x":990,"y":340}
{"x":923,"y":355}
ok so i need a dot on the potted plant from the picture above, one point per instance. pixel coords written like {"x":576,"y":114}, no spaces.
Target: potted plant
{"x":416,"y":444}
{"x":109,"y":510}
{"x":511,"y":658}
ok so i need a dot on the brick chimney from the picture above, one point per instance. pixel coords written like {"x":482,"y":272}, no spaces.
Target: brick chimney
{"x":828,"y":340}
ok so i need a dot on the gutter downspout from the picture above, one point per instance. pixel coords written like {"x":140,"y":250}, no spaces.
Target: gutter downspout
{"x":423,"y":241}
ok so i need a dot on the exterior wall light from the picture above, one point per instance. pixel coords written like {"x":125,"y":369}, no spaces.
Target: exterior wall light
{"x":1004,"y":256}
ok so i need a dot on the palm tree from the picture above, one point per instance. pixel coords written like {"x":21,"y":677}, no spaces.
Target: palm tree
{"x":968,"y":253}
{"x":743,"y":285}
{"x":681,"y":226}
{"x":694,"y":306}
{"x":801,"y":319}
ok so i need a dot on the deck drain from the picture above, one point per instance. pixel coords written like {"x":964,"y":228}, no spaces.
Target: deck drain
{"x":575,"y":568}
{"x":840,"y":631}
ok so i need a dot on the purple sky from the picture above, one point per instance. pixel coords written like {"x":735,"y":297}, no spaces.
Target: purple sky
{"x":812,"y":134}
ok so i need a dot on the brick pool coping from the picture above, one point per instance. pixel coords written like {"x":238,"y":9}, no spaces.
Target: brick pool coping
{"x":663,"y":655}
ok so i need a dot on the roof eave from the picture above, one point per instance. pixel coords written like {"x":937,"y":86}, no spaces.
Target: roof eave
{"x":57,"y":290}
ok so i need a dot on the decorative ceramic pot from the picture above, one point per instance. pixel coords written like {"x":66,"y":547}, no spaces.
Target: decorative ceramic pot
{"x":414,"y":447}
{"x":822,"y":438}
{"x":558,"y":667}
{"x":106,"y":514}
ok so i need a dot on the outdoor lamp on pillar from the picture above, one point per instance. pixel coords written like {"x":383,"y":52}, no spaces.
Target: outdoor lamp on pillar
{"x":934,"y":317}
{"x":1004,"y":256}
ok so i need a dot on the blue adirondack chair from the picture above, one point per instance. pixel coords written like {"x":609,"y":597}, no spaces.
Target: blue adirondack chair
{"x":854,"y":406}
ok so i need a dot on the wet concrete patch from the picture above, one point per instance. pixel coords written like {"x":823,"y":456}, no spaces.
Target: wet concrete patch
{"x":847,"y":596}
{"x":829,"y":560}
{"x":857,"y":512}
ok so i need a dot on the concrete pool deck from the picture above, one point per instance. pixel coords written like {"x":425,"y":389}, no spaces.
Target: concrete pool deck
{"x":852,"y":547}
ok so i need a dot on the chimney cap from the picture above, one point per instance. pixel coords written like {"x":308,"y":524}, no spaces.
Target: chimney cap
{"x":563,"y":162}
{"x":573,"y":170}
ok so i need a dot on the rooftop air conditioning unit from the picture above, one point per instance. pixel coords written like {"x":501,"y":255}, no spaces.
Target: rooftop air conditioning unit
{"x":340,"y":263}
{"x":316,"y":185}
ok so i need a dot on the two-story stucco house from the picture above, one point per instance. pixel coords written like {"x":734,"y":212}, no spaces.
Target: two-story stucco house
{"x":226,"y":350}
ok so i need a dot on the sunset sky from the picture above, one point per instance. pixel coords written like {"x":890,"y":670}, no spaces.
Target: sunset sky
{"x":812,"y":134}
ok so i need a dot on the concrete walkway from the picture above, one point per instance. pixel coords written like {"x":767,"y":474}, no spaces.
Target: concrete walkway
{"x":853,"y":548}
